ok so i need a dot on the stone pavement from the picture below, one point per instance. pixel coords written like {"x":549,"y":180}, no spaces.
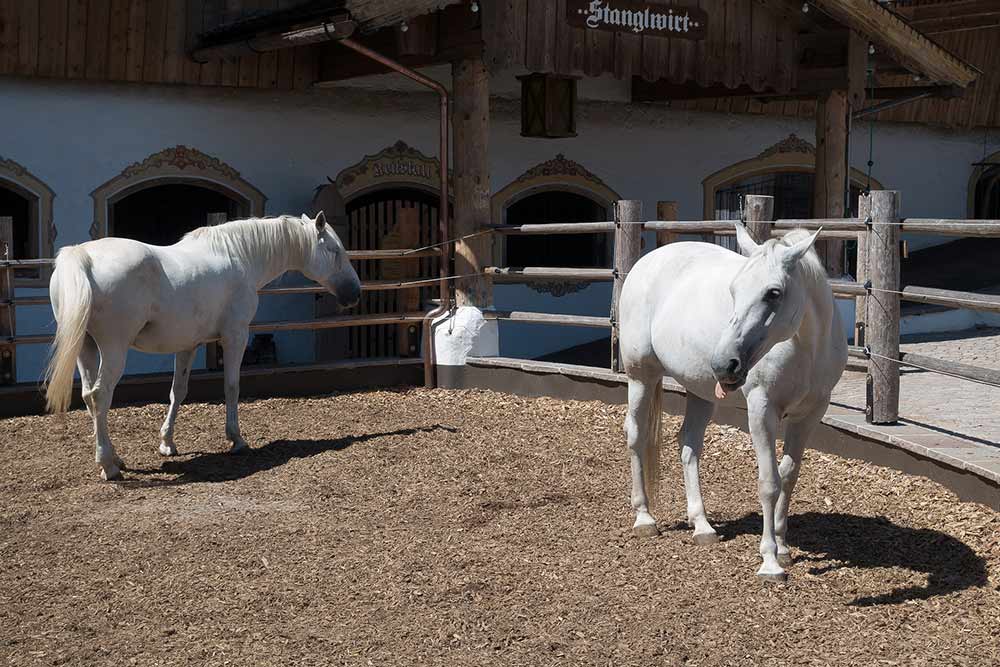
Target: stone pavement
{"x":954,"y":421}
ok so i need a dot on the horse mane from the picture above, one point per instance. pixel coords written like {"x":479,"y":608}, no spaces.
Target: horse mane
{"x":259,"y":240}
{"x":813,"y":270}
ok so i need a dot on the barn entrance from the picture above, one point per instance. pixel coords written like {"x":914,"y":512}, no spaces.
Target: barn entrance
{"x":161,"y":214}
{"x":387,"y":218}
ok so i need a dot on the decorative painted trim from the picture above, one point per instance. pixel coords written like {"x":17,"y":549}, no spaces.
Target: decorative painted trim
{"x":399,"y":165}
{"x":791,"y":154}
{"x":559,"y":174}
{"x":977,"y":173}
{"x":41,"y":198}
{"x":179,"y":163}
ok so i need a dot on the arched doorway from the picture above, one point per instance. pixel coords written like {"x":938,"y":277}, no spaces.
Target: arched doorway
{"x":391,"y":202}
{"x":161,"y":213}
{"x":27,"y":202}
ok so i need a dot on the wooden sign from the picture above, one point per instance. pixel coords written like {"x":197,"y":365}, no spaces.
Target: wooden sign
{"x":398,"y":164}
{"x":640,"y":18}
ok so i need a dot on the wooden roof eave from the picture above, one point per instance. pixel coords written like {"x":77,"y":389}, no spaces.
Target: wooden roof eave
{"x":908,"y":46}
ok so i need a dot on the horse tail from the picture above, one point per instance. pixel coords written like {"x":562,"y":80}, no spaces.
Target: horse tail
{"x":651,"y":453}
{"x":72,"y":297}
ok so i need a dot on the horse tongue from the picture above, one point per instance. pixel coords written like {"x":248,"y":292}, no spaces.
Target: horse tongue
{"x":720,"y":393}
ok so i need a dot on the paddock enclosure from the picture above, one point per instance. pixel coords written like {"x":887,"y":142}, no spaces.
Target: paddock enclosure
{"x":464,"y":527}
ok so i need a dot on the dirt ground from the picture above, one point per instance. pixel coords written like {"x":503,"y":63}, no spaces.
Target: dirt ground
{"x":463,"y":528}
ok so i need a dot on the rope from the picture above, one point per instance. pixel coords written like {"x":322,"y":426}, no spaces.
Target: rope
{"x":931,"y":370}
{"x":956,"y":300}
{"x":434,"y":281}
{"x":448,"y":242}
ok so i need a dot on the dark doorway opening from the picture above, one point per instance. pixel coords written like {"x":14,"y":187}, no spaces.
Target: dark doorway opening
{"x":163,"y":214}
{"x":558,"y":250}
{"x":22,"y":209}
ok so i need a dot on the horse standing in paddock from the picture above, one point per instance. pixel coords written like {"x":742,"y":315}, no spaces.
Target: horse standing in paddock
{"x":112,"y":294}
{"x":719,"y":322}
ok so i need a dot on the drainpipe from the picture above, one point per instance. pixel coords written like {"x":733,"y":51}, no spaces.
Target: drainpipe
{"x":445,"y":261}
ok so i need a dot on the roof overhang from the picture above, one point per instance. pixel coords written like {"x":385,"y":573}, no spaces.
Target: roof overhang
{"x":905,"y":44}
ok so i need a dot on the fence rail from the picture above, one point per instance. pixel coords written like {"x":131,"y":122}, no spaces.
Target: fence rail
{"x":877,"y":232}
{"x":9,"y":302}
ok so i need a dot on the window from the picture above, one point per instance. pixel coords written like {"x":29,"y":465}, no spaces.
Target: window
{"x":568,"y":250}
{"x":557,"y":190}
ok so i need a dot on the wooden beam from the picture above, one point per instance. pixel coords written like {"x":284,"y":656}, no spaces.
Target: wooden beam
{"x":883,"y":309}
{"x":471,"y":129}
{"x":830,"y":180}
{"x":908,"y":47}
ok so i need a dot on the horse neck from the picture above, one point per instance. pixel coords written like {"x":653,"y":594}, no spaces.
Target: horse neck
{"x":819,"y":308}
{"x":271,"y":254}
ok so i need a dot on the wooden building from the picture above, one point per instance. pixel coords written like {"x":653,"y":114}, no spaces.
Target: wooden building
{"x":210,"y":109}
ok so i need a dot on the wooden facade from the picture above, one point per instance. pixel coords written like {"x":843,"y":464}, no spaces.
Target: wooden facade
{"x":744,"y":44}
{"x":747,"y":47}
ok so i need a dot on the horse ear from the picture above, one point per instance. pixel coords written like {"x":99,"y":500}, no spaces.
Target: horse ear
{"x":744,"y":240}
{"x":796,"y":252}
{"x":320,"y":221}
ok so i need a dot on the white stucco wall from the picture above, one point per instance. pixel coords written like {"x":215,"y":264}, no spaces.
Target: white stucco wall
{"x":76,"y":136}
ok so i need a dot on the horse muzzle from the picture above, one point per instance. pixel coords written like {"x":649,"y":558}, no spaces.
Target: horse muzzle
{"x":347,"y":291}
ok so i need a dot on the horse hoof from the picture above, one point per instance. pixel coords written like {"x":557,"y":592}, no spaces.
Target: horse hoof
{"x":646,"y":530}
{"x":111,"y":474}
{"x":239,"y":448}
{"x":773,"y":577}
{"x":785,"y":560}
{"x":167,"y":450}
{"x":705,"y":539}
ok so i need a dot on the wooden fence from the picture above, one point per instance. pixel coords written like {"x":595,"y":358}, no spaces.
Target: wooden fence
{"x":877,"y":288}
{"x":10,"y":339}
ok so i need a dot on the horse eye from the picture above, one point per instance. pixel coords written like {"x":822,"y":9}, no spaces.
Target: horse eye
{"x":772,"y":294}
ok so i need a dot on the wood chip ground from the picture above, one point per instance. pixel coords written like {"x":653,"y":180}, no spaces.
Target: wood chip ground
{"x":464,"y":528}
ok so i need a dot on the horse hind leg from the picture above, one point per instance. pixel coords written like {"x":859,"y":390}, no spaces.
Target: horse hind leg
{"x":697,"y":413}
{"x":233,"y":346}
{"x":178,"y":392}
{"x":98,"y":400}
{"x":642,"y":434}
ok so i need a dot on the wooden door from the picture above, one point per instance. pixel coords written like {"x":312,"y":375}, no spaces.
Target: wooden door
{"x":390,"y":218}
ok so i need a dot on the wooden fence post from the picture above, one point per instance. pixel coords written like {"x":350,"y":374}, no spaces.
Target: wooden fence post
{"x":882,"y":404}
{"x":863,"y":274}
{"x":8,"y":368}
{"x":628,"y":247}
{"x":758,"y":213}
{"x":666,"y":211}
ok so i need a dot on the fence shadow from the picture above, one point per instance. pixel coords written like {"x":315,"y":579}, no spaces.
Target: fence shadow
{"x":214,"y":467}
{"x":835,"y":541}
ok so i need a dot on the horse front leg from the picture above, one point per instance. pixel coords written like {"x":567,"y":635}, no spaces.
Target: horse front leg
{"x":641,"y":433}
{"x":697,"y":413}
{"x":233,"y":346}
{"x":178,"y":392}
{"x":763,"y":429}
{"x":797,"y":434}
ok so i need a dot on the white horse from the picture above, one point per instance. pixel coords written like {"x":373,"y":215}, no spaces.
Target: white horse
{"x":112,"y":294}
{"x":717,"y":322}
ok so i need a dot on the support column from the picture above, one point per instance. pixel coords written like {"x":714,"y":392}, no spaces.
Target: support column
{"x":831,"y":172}
{"x":667,"y":212}
{"x":471,"y":128}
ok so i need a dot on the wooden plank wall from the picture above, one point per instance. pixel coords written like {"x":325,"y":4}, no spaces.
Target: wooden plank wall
{"x":140,"y":40}
{"x":745,"y":45}
{"x":979,"y":107}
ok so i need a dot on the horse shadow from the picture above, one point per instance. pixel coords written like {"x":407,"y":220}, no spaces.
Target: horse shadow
{"x":215,"y":467}
{"x":848,"y":541}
